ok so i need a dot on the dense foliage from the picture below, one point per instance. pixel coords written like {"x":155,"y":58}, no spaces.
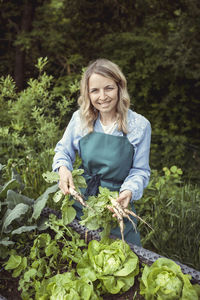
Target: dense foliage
{"x":45,"y":253}
{"x":99,"y":216}
{"x":156,"y":44}
{"x":31,"y":124}
{"x":172,"y":208}
{"x":44,"y":46}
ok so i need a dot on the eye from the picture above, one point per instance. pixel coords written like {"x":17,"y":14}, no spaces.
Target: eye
{"x":109,"y":88}
{"x":93,"y":91}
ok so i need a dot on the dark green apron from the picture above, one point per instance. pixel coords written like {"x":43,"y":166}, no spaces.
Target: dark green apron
{"x":107,"y":160}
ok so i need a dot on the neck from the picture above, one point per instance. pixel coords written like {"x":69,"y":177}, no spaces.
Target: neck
{"x":107,"y":119}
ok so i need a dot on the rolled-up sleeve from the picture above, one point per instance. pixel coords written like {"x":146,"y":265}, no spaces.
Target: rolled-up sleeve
{"x":139,"y":174}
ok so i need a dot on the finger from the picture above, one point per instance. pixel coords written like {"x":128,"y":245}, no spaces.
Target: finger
{"x":63,"y":191}
{"x":63,"y":185}
{"x":67,"y":188}
{"x":71,"y":183}
{"x":124,"y":201}
{"x":110,"y":209}
{"x":121,"y":200}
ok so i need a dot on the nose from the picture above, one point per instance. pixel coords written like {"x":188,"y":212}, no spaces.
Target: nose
{"x":102,"y":94}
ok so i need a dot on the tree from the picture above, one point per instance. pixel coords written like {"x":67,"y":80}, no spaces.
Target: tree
{"x":156,"y":44}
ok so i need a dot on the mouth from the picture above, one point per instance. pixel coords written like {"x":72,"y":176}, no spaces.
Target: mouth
{"x":104,"y":102}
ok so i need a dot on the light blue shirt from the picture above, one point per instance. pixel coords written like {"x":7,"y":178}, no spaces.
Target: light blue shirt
{"x":139,"y":135}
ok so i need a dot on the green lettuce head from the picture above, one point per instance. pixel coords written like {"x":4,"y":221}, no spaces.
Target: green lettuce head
{"x":164,"y":280}
{"x":112,"y":265}
{"x":66,"y":286}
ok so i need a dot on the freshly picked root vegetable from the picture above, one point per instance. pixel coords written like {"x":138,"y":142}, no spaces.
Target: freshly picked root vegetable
{"x":121,"y":213}
{"x":99,"y":215}
{"x":119,"y":219}
{"x":78,"y":197}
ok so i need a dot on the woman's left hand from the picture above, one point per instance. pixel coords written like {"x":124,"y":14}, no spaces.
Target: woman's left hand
{"x":124,"y":198}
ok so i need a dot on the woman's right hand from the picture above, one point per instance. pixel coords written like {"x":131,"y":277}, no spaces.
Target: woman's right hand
{"x":66,"y":180}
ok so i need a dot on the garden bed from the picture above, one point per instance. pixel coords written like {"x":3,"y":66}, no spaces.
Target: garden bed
{"x":9,"y":285}
{"x":9,"y":290}
{"x":145,"y":256}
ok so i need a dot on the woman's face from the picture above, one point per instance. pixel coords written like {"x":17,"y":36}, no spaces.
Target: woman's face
{"x":103,"y":93}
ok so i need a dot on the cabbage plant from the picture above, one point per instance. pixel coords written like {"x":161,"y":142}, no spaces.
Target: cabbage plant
{"x":164,"y":280}
{"x":112,"y":266}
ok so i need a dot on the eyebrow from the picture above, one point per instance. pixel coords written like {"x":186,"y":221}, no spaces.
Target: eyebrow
{"x":108,"y":85}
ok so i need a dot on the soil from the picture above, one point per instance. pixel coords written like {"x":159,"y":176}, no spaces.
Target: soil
{"x":9,"y":289}
{"x":9,"y":286}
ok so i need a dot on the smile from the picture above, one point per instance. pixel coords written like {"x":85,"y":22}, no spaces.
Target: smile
{"x":105,"y":102}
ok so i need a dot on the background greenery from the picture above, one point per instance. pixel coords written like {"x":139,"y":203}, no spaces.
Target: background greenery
{"x":155,"y":43}
{"x":44,"y":46}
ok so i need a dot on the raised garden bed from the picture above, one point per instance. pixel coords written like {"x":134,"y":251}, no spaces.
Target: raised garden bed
{"x":9,"y":285}
{"x":145,"y":256}
{"x":9,"y":290}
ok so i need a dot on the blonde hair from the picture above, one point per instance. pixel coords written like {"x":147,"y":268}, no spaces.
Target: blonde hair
{"x":109,"y":70}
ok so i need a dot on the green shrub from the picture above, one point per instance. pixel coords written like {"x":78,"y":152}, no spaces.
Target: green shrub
{"x":172,"y":208}
{"x":32,"y":121}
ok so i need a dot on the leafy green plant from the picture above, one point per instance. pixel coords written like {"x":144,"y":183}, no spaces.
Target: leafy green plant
{"x":31,"y":122}
{"x":42,"y":261}
{"x":165,"y":280}
{"x":21,"y":215}
{"x":15,"y":211}
{"x":16,"y":263}
{"x":99,"y":217}
{"x":171,"y":207}
{"x":48,"y":256}
{"x":66,"y":203}
{"x":112,"y":266}
{"x":66,"y":286}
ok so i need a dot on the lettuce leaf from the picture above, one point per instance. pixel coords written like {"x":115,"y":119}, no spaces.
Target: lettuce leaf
{"x":164,"y":280}
{"x":113,"y":265}
{"x":66,"y":286}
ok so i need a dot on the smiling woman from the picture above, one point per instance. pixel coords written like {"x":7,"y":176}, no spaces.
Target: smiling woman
{"x":112,"y":141}
{"x":104,"y":97}
{"x":103,"y":81}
